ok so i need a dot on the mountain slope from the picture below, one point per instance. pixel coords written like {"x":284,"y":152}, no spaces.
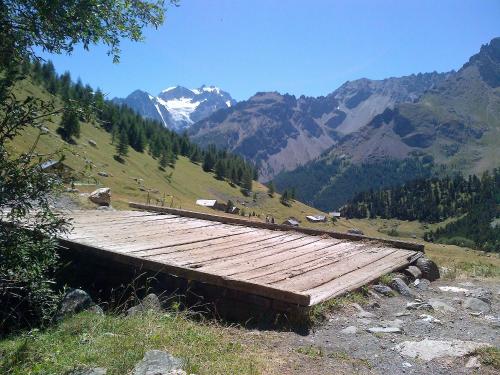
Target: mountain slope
{"x":140,"y":177}
{"x":178,"y":107}
{"x":281,"y":132}
{"x":455,"y":124}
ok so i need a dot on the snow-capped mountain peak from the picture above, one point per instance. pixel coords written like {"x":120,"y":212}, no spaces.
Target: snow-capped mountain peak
{"x":178,"y":107}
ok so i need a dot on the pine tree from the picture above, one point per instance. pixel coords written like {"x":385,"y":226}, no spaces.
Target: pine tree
{"x":271,"y":189}
{"x":195,"y":155}
{"x":69,"y":126}
{"x":233,"y":175}
{"x":284,"y":198}
{"x":220,"y":170}
{"x":171,"y":159}
{"x":208,"y":161}
{"x":122,"y":146}
{"x":163,"y":161}
{"x":246,"y":182}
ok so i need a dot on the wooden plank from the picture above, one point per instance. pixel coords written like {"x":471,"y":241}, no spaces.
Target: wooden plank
{"x":149,"y":229}
{"x":189,"y":238}
{"x":202,"y":247}
{"x":108,"y":222}
{"x":298,"y":264}
{"x":90,"y":218}
{"x":336,"y":254}
{"x":256,"y":224}
{"x":358,"y":277}
{"x":328,"y":272}
{"x":153,"y":231}
{"x":234,"y":256}
{"x":191,"y":274}
{"x":132,"y":244}
{"x":270,"y":261}
{"x":96,"y":213}
{"x":258,"y":258}
{"x":237,"y":246}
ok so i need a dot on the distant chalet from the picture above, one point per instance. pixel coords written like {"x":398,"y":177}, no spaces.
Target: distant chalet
{"x":57,"y":167}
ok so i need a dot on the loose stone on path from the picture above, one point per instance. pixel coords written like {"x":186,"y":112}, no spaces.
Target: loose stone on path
{"x":429,"y":349}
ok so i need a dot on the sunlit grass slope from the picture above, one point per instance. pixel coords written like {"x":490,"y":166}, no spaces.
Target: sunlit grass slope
{"x":188,"y":183}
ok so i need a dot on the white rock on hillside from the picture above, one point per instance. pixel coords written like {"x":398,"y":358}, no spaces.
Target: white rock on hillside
{"x":101,"y":196}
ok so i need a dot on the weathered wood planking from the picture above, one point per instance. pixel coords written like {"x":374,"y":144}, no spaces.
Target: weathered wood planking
{"x":270,"y":261}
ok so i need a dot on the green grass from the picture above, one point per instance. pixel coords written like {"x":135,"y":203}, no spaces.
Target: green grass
{"x":490,"y":357}
{"x":117,"y":343}
{"x":355,"y":362}
{"x":311,"y":351}
{"x":385,"y":279}
{"x":318,"y":313}
{"x":189,"y":182}
{"x":460,"y":262}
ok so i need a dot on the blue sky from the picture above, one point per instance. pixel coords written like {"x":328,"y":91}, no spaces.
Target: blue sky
{"x":294,"y":46}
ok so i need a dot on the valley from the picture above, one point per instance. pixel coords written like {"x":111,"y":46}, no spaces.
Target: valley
{"x":335,"y":211}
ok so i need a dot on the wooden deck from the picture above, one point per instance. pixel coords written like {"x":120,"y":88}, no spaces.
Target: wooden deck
{"x":276,"y":262}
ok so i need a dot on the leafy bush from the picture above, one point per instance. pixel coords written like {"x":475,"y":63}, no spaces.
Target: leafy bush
{"x":27,"y":263}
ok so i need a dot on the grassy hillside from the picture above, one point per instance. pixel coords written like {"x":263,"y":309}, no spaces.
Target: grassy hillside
{"x":188,"y":183}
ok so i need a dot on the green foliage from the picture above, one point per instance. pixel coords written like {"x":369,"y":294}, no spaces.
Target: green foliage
{"x":246,"y":182}
{"x":208,"y":161}
{"x":477,"y":224}
{"x":490,"y":357}
{"x":271,"y":189}
{"x":122,"y":146}
{"x":27,"y":266}
{"x":385,"y":279}
{"x":457,"y":241}
{"x":311,"y":351}
{"x":28,"y":259}
{"x":163,"y":161}
{"x":287,"y":197}
{"x":70,"y":125}
{"x":328,"y":183}
{"x":473,"y":199}
{"x":117,"y":344}
{"x":57,"y":28}
{"x":430,"y":200}
{"x":220,"y":169}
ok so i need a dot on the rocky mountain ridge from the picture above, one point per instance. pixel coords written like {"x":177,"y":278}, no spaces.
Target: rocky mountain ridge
{"x":455,"y":125}
{"x":178,"y":107}
{"x":280,"y":132}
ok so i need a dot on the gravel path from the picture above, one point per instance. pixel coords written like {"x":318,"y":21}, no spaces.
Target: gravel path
{"x":450,"y":331}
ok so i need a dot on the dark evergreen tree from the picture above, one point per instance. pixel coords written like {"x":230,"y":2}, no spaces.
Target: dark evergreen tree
{"x":208,"y":161}
{"x":246,"y":183}
{"x":220,"y":169}
{"x":163,"y":161}
{"x":70,"y":125}
{"x":284,"y":199}
{"x":122,"y":146}
{"x":271,"y":189}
